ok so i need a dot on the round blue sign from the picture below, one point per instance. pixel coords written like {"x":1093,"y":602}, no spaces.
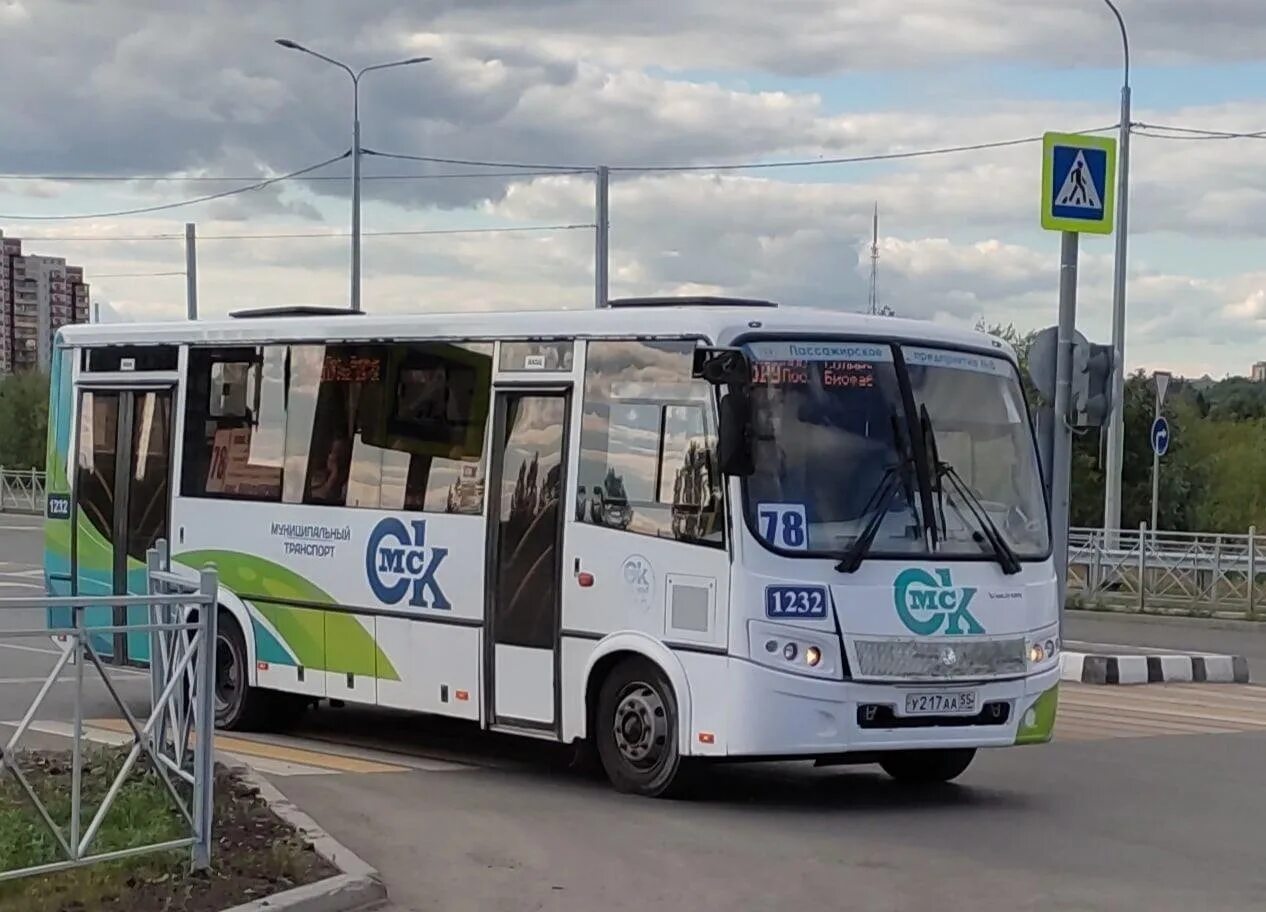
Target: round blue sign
{"x":1160,"y":436}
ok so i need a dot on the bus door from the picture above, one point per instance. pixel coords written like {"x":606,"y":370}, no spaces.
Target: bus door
{"x":529,"y":462}
{"x":121,"y":503}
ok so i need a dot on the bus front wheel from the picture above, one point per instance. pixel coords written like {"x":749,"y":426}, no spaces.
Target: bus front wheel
{"x":238,"y":706}
{"x":927,"y":766}
{"x":637,"y":730}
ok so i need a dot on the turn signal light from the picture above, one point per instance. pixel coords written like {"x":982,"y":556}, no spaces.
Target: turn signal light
{"x":585,"y":579}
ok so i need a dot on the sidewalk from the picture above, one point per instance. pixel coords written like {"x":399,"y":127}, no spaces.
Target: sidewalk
{"x":1245,"y":638}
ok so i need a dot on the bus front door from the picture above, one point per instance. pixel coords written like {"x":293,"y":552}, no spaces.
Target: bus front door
{"x":121,"y":504}
{"x":529,"y":461}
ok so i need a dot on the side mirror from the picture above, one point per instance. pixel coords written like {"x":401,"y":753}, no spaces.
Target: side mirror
{"x":722,"y":366}
{"x":734,"y":437}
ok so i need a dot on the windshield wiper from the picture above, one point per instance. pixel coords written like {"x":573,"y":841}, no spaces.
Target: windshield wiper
{"x":1006,"y":555}
{"x":852,"y":558}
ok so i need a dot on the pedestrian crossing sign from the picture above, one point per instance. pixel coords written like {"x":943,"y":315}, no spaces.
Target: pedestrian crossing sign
{"x":1078,"y":182}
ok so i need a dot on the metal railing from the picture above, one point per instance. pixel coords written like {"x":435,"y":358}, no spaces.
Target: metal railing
{"x":21,"y":491}
{"x":1178,"y":572}
{"x":182,"y":671}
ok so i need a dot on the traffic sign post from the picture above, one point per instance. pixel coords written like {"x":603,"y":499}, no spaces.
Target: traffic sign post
{"x":1160,"y":439}
{"x":1077,"y":196}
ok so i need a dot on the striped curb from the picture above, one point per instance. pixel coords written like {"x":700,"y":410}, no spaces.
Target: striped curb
{"x":1099,"y":668}
{"x":357,"y":886}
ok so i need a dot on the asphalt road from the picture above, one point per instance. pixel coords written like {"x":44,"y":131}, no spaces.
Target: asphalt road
{"x":1149,"y":799}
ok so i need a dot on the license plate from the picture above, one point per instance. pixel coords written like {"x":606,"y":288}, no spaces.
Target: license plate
{"x":944,"y":703}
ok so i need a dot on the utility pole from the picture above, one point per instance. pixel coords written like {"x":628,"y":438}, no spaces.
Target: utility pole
{"x":874,"y":263}
{"x":602,"y":236}
{"x":1161,"y":381}
{"x":1116,"y":422}
{"x":191,"y":271}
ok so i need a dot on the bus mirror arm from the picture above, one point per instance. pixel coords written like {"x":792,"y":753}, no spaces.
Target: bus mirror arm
{"x":722,"y":366}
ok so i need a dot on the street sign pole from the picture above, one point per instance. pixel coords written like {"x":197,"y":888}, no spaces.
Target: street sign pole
{"x":1062,"y":444}
{"x":1077,"y":196}
{"x":1161,"y":379}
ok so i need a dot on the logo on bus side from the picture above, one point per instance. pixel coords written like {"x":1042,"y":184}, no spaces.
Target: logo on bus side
{"x":398,"y":563}
{"x":929,"y":604}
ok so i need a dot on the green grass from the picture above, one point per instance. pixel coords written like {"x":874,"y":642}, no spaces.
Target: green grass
{"x":254,"y":853}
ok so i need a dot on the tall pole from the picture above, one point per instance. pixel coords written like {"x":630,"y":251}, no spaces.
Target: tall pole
{"x":1116,"y":422}
{"x":1155,"y":464}
{"x":191,"y":271}
{"x":356,"y":148}
{"x":355,"y":193}
{"x":602,"y":237}
{"x":1062,"y":456}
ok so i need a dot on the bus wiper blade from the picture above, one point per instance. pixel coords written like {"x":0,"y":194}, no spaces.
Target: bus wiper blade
{"x":1006,"y":555}
{"x":852,"y":558}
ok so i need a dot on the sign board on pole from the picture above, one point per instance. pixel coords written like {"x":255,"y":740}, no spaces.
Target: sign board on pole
{"x":1160,"y":436}
{"x":1078,"y":183}
{"x":1042,"y":360}
{"x":1161,"y":378}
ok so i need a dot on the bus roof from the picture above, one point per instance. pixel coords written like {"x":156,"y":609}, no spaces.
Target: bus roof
{"x":717,"y":322}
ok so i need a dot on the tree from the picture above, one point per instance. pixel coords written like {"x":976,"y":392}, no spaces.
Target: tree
{"x":23,"y":420}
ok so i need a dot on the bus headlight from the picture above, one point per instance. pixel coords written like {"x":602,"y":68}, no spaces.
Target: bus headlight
{"x":796,"y":649}
{"x":1042,"y":648}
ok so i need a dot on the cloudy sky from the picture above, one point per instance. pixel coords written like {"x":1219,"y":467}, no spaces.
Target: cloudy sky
{"x":170,"y":94}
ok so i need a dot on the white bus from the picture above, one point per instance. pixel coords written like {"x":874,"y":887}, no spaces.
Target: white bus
{"x":677,"y":530}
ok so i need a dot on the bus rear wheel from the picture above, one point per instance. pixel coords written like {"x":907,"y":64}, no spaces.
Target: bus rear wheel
{"x":238,"y":706}
{"x":636,"y":731}
{"x":923,"y":767}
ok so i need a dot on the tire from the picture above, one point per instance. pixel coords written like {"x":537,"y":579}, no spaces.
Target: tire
{"x":925,"y":767}
{"x":637,"y":731}
{"x":238,"y":706}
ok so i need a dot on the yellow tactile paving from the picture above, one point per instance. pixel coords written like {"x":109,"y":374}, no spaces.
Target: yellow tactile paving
{"x":243,"y":747}
{"x":1090,"y":713}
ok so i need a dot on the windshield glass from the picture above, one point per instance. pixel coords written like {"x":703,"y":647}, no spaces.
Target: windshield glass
{"x":830,"y":425}
{"x":980,"y":430}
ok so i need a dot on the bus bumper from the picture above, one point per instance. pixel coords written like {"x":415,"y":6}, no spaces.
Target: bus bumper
{"x":777,"y":714}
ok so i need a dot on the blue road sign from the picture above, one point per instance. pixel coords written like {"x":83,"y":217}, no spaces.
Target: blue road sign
{"x":1160,"y":436}
{"x":1077,"y":183}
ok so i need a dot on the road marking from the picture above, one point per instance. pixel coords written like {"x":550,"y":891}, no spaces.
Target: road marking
{"x":52,"y":652}
{"x":1090,"y":713}
{"x":252,"y":749}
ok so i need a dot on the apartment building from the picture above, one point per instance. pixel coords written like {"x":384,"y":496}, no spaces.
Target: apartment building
{"x":38,"y":296}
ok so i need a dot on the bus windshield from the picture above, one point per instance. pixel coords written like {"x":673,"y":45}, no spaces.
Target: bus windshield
{"x":848,"y":435}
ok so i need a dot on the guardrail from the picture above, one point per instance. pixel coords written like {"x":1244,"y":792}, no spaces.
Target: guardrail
{"x":1179,"y":572}
{"x":21,"y":491}
{"x":182,"y":673}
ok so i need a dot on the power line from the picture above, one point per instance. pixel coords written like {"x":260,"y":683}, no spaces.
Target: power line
{"x":1193,"y":133}
{"x":203,"y":178}
{"x":259,"y":185}
{"x":134,"y":275}
{"x":476,"y":163}
{"x":317,"y":235}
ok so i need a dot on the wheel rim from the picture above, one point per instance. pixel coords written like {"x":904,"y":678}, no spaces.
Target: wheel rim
{"x":641,"y":726}
{"x":228,"y":676}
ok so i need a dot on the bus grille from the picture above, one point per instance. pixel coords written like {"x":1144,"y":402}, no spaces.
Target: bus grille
{"x":938,"y":659}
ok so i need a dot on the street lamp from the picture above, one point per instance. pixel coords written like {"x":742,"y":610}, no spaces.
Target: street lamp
{"x":1116,"y":424}
{"x":356,"y":75}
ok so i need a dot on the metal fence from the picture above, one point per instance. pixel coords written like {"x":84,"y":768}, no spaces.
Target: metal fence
{"x":175,"y":739}
{"x":21,"y":491}
{"x":1168,"y":572}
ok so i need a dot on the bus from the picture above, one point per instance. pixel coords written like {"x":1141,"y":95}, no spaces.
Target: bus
{"x":668,"y":531}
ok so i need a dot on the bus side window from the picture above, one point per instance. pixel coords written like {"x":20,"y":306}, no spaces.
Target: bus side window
{"x":648,"y":443}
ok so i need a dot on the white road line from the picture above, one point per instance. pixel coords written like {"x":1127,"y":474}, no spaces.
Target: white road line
{"x":8,"y":584}
{"x":52,"y":652}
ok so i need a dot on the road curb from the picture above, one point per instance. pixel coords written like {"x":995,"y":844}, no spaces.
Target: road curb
{"x":358,"y":886}
{"x":1142,"y":668}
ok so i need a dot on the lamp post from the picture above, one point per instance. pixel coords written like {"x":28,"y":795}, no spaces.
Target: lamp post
{"x":355,"y":75}
{"x":1116,"y":424}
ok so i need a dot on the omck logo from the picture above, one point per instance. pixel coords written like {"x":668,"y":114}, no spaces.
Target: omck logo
{"x":930,"y":604}
{"x":398,"y":563}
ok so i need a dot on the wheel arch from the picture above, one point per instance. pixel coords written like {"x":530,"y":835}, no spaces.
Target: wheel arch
{"x":236,"y":608}
{"x":616,"y":647}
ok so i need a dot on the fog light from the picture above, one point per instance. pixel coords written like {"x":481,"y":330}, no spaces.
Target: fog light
{"x":1036,"y":653}
{"x":812,"y":656}
{"x":1050,"y":647}
{"x":789,"y":652}
{"x":771,"y":645}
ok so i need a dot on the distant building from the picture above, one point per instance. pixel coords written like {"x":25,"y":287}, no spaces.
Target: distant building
{"x":38,"y":296}
{"x":1259,"y":372}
